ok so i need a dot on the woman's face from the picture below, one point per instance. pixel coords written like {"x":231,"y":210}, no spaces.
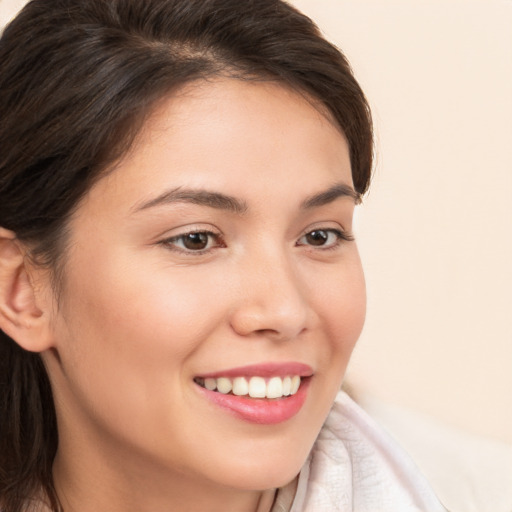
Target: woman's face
{"x":218,"y":250}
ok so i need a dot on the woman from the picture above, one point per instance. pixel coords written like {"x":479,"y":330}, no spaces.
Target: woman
{"x":180,"y":286}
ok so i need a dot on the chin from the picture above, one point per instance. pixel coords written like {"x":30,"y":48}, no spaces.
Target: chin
{"x":263,"y":480}
{"x":270,"y":472}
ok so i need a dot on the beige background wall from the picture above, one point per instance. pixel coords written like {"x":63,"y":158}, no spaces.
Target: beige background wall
{"x":435,"y":231}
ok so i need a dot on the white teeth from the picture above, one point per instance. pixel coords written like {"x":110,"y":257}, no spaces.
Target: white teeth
{"x":295,"y":384}
{"x":210,"y":384}
{"x":275,"y":388}
{"x":240,"y":386}
{"x":255,"y":387}
{"x":287,"y":386}
{"x":224,"y":385}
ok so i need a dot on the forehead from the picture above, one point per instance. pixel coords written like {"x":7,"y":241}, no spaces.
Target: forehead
{"x":236,"y":137}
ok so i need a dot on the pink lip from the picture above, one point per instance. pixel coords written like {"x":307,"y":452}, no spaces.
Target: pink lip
{"x":264,"y":370}
{"x":263,"y":411}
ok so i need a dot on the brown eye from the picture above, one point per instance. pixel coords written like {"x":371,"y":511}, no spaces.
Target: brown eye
{"x":324,"y":238}
{"x":195,"y":241}
{"x":317,"y":237}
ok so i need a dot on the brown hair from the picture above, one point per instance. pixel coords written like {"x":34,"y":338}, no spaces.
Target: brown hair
{"x":77,"y":80}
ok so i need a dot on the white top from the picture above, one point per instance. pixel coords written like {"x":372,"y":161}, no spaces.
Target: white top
{"x":355,"y":466}
{"x":469,"y":473}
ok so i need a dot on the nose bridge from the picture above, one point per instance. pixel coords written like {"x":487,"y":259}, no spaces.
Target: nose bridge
{"x":272,"y":297}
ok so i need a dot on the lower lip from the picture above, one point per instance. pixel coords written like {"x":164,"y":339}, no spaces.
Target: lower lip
{"x":263,"y":411}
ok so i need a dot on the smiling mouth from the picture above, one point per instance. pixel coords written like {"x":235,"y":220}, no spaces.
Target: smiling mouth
{"x":253,"y":387}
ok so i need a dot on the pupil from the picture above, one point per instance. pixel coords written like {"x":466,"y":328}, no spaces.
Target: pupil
{"x":317,"y":237}
{"x":196,"y":241}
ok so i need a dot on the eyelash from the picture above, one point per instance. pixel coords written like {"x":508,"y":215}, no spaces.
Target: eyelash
{"x":340,"y":235}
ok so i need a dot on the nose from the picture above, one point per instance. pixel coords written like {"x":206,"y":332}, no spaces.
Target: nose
{"x":272,"y":299}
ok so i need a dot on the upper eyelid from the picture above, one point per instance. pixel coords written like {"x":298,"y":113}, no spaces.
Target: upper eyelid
{"x":185,"y":230}
{"x":326,"y":226}
{"x":192,"y":232}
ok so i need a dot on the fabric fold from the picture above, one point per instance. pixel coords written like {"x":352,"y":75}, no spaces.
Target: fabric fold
{"x":355,"y":466}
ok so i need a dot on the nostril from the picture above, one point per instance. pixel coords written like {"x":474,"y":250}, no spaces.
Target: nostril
{"x":274,"y":333}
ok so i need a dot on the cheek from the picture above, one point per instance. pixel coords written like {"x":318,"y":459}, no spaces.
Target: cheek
{"x":126,"y":338}
{"x":136,"y":321}
{"x":341,"y":303}
{"x":341,"y":297}
{"x":127,"y":292}
{"x":174,"y":309}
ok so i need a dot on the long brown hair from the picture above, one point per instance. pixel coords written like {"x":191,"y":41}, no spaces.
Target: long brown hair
{"x":77,"y":80}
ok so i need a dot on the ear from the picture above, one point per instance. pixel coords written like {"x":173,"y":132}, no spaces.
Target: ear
{"x":21,"y":318}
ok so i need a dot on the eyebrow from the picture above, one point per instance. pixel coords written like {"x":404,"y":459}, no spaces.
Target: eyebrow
{"x":201,"y":197}
{"x":221,"y":201}
{"x":331,"y":194}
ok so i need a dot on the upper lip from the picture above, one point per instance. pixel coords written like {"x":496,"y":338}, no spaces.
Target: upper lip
{"x":271,"y":369}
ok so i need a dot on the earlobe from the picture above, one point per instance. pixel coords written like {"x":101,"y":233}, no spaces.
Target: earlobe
{"x":20,"y":316}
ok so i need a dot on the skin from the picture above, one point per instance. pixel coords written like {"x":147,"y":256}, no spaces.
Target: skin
{"x":140,"y":315}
